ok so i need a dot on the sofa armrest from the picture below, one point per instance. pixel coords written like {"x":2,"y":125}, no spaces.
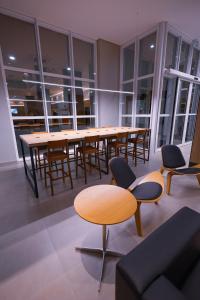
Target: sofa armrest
{"x":160,"y":252}
{"x":163,"y":289}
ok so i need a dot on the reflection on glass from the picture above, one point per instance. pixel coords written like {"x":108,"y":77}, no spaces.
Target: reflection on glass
{"x":127,"y":121}
{"x":18,"y":89}
{"x":85,"y":98}
{"x":184,"y":57}
{"x":164,"y":132}
{"x":127,"y":99}
{"x":55,"y":52}
{"x":84,"y":123}
{"x":172,"y":43}
{"x":183,"y":97}
{"x":27,"y":127}
{"x":195,"y":98}
{"x":168,"y":96}
{"x":83,"y":59}
{"x":190,"y":128}
{"x":60,"y":124}
{"x":147,"y":54}
{"x":59,"y":101}
{"x":26,"y":108}
{"x":195,"y":61}
{"x":142,"y":122}
{"x":144,"y":96}
{"x":178,"y":130}
{"x":128,"y":62}
{"x":17,"y":40}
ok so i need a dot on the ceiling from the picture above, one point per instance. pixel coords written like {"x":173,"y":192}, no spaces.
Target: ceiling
{"x":113,"y":20}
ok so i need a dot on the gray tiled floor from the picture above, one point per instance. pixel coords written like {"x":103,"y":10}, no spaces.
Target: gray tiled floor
{"x":38,"y":237}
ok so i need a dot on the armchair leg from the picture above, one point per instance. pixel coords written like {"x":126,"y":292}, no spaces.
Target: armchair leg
{"x":138,"y":220}
{"x":169,"y":179}
{"x":162,"y":170}
{"x":198,"y":178}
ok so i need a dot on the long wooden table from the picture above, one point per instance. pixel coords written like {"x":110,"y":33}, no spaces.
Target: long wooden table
{"x":41,"y":139}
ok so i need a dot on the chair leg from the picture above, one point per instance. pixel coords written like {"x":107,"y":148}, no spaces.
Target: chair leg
{"x":51,"y":181}
{"x":138,"y":220}
{"x":198,"y":178}
{"x":135,"y":153}
{"x":84,"y":166}
{"x":169,"y":179}
{"x":99,"y":167}
{"x":63,"y":173}
{"x":144,"y":156}
{"x":45,"y":173}
{"x":76,"y":163}
{"x":69,"y":172}
{"x":162,"y":170}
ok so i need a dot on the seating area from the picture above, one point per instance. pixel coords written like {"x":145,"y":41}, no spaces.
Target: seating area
{"x":100,"y":150}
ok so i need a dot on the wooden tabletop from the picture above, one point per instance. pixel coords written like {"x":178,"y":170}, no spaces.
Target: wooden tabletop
{"x":32,"y":140}
{"x":105,"y":204}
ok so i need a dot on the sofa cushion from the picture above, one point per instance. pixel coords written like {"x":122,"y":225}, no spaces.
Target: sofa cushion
{"x":191,"y":287}
{"x":163,"y":289}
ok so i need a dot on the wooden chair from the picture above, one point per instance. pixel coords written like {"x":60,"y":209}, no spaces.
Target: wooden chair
{"x":88,"y":150}
{"x":149,"y":189}
{"x":173,"y":162}
{"x":141,"y":145}
{"x":118,"y":144}
{"x":38,"y":151}
{"x":57,"y":151}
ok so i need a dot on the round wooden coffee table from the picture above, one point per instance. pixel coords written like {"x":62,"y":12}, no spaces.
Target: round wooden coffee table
{"x":104,"y":205}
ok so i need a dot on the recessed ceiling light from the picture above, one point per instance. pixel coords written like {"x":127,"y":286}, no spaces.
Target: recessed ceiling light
{"x":68,"y":69}
{"x":12,"y":57}
{"x":152,"y":46}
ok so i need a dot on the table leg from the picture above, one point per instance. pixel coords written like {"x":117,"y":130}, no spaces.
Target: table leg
{"x":33,"y":173}
{"x":102,"y":251}
{"x":23,"y":156}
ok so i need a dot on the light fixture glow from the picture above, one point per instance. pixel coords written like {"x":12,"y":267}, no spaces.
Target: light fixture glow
{"x":12,"y":57}
{"x":68,"y":69}
{"x":152,"y":46}
{"x":78,"y":87}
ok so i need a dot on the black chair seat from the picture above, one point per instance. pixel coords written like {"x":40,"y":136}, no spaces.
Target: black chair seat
{"x":188,"y":171}
{"x":147,"y":191}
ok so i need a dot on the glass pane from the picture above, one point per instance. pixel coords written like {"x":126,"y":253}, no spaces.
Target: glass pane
{"x":17,"y":40}
{"x":127,"y":99}
{"x":59,"y":99}
{"x":195,"y":60}
{"x":26,"y":127}
{"x":168,"y":96}
{"x":184,"y":57}
{"x":83,"y":123}
{"x":26,"y":108}
{"x":183,"y":97}
{"x":164,"y":132}
{"x":178,"y":130}
{"x":147,"y":54}
{"x":172,"y":43}
{"x":190,"y":128}
{"x":195,"y":98}
{"x":83,"y":59}
{"x":142,"y":122}
{"x":18,"y":89}
{"x":128,"y":62}
{"x":85,"y":98}
{"x":144,"y":96}
{"x":55,"y":52}
{"x":60,"y":124}
{"x":127,"y":121}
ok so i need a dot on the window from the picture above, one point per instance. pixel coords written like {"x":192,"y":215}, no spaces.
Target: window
{"x":83,"y":59}
{"x":84,"y":123}
{"x":13,"y":34}
{"x":183,"y":97}
{"x":128,"y":62}
{"x":144,"y":96}
{"x":55,"y":52}
{"x":168,"y":96}
{"x":85,"y":98}
{"x":142,"y":122}
{"x":184,"y":57}
{"x":190,"y":128}
{"x":59,"y":98}
{"x":171,"y":51}
{"x":178,"y":129}
{"x":164,"y":133}
{"x":127,"y":121}
{"x":58,"y":124}
{"x":147,"y":54}
{"x":127,"y":99}
{"x":195,"y":98}
{"x":195,"y":61}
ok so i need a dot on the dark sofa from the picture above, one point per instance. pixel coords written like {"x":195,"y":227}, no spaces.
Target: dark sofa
{"x":166,"y":265}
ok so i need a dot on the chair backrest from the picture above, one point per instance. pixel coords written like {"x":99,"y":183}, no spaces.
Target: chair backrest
{"x":121,"y":172}
{"x":172,"y":157}
{"x":57,"y":145}
{"x":92,"y":141}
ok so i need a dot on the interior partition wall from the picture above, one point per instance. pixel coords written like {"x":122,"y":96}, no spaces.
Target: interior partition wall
{"x":33,"y":53}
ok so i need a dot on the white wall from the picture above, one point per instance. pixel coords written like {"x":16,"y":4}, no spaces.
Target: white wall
{"x":7,"y":144}
{"x":108,"y":65}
